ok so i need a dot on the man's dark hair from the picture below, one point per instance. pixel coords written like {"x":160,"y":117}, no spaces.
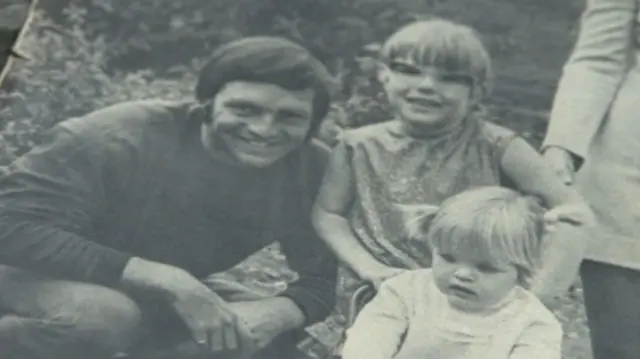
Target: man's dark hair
{"x":272,"y":60}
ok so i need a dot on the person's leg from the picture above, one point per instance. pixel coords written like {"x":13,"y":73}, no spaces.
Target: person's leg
{"x":34,"y":338}
{"x":611,"y":298}
{"x":285,"y":347}
{"x":50,"y":318}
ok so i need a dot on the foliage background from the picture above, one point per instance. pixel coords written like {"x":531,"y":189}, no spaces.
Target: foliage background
{"x":90,"y":53}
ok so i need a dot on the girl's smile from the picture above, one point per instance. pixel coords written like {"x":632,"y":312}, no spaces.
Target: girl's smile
{"x":426,"y":98}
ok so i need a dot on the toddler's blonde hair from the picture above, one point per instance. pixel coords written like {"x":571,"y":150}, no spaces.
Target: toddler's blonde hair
{"x":495,"y":223}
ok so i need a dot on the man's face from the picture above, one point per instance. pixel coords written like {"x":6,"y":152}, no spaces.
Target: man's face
{"x":256,"y":124}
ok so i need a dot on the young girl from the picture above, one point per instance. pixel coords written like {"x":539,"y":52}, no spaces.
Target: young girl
{"x":473,"y":302}
{"x":434,"y":72}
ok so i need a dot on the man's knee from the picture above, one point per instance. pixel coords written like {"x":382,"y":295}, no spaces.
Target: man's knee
{"x":35,"y":338}
{"x":82,"y":314}
{"x":107,"y":318}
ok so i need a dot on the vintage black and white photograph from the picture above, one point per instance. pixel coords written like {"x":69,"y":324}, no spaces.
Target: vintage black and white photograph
{"x":320,"y":179}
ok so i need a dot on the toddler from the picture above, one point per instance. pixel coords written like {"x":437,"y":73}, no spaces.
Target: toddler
{"x":473,"y":302}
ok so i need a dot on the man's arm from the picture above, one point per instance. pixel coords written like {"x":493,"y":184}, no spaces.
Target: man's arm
{"x":592,"y":75}
{"x":315,"y":290}
{"x":306,"y":254}
{"x":49,"y":200}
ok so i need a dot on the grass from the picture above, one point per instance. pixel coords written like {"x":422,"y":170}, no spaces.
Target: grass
{"x":267,"y":272}
{"x":576,"y":333}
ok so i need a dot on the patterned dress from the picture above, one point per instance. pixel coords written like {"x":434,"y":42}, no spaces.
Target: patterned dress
{"x":393,"y":171}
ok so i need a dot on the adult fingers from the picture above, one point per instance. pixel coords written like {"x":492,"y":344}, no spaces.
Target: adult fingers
{"x":568,"y":214}
{"x":199,"y":332}
{"x":230,"y":337}
{"x":216,"y":341}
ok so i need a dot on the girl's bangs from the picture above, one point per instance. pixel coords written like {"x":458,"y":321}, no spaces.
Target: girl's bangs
{"x":442,"y":45}
{"x":447,"y":57}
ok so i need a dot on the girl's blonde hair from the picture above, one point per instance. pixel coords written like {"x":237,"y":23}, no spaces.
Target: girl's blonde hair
{"x":442,"y":44}
{"x":495,"y":223}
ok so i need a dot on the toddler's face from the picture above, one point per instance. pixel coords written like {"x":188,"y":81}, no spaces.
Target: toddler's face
{"x":424,"y":98}
{"x":470,"y":283}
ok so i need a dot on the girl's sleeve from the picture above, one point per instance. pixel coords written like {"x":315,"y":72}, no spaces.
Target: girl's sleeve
{"x":540,"y":340}
{"x":593,"y":74}
{"x":378,"y":330}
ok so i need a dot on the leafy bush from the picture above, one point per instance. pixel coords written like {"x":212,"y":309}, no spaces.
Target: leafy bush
{"x":162,"y":34}
{"x":66,"y":77}
{"x":91,"y":53}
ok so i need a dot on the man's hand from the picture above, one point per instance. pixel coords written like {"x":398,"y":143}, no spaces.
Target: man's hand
{"x":213,"y":325}
{"x":268,"y":318}
{"x":561,"y":161}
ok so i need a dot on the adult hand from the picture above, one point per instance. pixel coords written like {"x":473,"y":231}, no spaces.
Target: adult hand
{"x":268,"y":318}
{"x":561,"y":161}
{"x":577,"y":214}
{"x":213,"y":325}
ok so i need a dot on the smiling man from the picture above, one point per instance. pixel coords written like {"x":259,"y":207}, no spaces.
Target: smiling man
{"x":117,"y":216}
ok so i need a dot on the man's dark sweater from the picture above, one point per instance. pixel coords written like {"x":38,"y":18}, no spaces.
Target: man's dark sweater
{"x":134,"y":180}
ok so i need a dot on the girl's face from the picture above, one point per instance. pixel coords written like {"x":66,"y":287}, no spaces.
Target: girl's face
{"x":471,"y":283}
{"x":426,"y":99}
